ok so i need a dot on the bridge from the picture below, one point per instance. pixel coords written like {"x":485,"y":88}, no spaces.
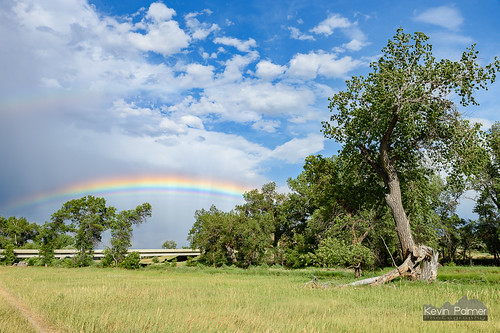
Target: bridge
{"x":99,"y":254}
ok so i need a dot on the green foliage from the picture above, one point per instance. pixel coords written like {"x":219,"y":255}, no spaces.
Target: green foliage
{"x":488,"y":203}
{"x":169,"y":244}
{"x":333,"y":252}
{"x":17,"y":231}
{"x":400,"y":123}
{"x":107,"y":260}
{"x":240,"y":237}
{"x":121,"y":230}
{"x":35,"y":261}
{"x":66,"y":263}
{"x":131,"y":261}
{"x":8,"y":254}
{"x":89,"y":217}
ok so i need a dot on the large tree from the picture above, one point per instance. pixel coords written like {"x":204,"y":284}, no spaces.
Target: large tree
{"x":89,"y":217}
{"x":121,"y":231}
{"x":402,"y":121}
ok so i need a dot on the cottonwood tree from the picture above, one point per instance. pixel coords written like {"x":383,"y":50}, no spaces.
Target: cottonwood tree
{"x":121,"y":231}
{"x":17,"y":231}
{"x":169,"y":244}
{"x":89,"y":217}
{"x":402,"y":121}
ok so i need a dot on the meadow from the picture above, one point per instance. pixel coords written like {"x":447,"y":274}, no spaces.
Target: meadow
{"x":196,"y":299}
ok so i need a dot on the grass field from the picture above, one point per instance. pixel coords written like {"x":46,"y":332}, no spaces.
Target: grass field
{"x":192,"y":299}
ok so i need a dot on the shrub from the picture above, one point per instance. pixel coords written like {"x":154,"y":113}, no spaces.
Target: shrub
{"x":65,"y":262}
{"x":8,"y":254}
{"x":107,"y":260}
{"x":131,"y":261}
{"x":334,"y":252}
{"x":35,"y":261}
{"x":192,"y":262}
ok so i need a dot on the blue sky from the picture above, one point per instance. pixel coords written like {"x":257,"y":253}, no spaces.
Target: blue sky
{"x":224,"y":91}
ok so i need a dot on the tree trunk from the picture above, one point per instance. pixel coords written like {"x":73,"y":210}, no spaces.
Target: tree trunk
{"x":420,"y":261}
{"x":393,"y":199}
{"x":231,"y":253}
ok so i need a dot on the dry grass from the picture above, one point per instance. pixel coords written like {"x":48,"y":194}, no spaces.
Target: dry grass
{"x":11,"y":320}
{"x":185,"y":299}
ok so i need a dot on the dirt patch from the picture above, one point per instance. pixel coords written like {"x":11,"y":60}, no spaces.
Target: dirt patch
{"x":34,"y":319}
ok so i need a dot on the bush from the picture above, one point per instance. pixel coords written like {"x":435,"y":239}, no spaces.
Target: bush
{"x":35,"y":261}
{"x":191,"y":262}
{"x":107,"y":260}
{"x":334,"y":252}
{"x":173,"y":263}
{"x":65,"y":262}
{"x":8,"y":255}
{"x":131,"y":261}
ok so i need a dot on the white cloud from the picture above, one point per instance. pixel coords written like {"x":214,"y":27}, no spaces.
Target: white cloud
{"x":165,"y":38}
{"x":233,"y":71}
{"x":328,"y":26}
{"x":309,"y":66}
{"x":297,"y":34}
{"x":355,"y":45}
{"x":196,"y":76}
{"x":192,"y":121}
{"x":158,"y":12}
{"x":269,"y":126}
{"x":242,"y":46}
{"x":297,"y":150}
{"x":197,"y":29}
{"x":124,"y":109}
{"x":266,"y":70}
{"x":443,"y":16}
{"x":172,"y":127}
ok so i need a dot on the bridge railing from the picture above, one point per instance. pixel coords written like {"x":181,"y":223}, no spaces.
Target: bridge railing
{"x":99,"y":254}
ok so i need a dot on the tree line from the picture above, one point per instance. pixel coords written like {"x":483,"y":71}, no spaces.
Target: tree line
{"x":79,"y":223}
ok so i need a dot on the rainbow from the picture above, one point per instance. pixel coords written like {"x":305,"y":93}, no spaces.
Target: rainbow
{"x":136,"y":185}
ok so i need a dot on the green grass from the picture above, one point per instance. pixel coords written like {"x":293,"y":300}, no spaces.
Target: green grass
{"x":192,"y":299}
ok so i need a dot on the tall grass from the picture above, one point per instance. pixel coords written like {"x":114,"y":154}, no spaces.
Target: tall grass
{"x":11,"y":320}
{"x":191,"y":299}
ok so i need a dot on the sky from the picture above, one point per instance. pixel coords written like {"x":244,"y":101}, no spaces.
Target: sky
{"x":188,"y":104}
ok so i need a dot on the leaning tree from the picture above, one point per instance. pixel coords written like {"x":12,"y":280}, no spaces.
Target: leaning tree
{"x":403,"y":121}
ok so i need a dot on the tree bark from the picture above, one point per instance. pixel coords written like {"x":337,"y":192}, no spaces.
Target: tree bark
{"x":394,"y":201}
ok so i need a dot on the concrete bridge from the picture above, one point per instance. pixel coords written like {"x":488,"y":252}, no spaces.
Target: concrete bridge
{"x":99,"y":254}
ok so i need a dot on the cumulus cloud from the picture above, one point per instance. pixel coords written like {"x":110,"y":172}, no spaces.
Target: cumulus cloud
{"x":197,"y":29}
{"x":266,"y":70}
{"x":269,"y":126}
{"x":297,"y":34}
{"x":158,"y":12}
{"x":443,"y":16}
{"x":309,"y":66}
{"x":240,"y":45}
{"x":196,"y":76}
{"x":328,"y":26}
{"x":297,"y":150}
{"x":163,"y":35}
{"x":234,"y":67}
